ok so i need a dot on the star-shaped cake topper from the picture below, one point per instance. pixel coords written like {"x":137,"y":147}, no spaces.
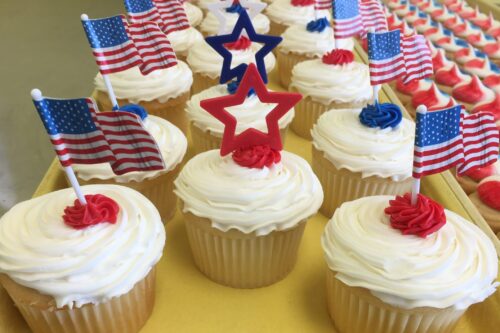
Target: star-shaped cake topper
{"x":219,"y":7}
{"x":243,"y":25}
{"x":250,"y":137}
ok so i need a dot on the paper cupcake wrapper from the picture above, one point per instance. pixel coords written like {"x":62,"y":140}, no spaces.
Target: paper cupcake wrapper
{"x":286,"y":62}
{"x":240,"y":260}
{"x":202,"y":82}
{"x":356,"y":310}
{"x":171,"y":110}
{"x":342,"y":185}
{"x":159,"y":190}
{"x":124,"y":314}
{"x":276,"y":29}
{"x":205,"y":140}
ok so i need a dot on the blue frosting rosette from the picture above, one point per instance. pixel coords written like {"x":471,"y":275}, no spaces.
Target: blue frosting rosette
{"x":381,"y":115}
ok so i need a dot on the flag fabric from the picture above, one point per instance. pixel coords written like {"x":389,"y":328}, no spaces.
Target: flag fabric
{"x":80,"y":135}
{"x":480,"y":141}
{"x":323,"y":4}
{"x":118,"y":46}
{"x":372,"y":16}
{"x":417,"y":58}
{"x":347,"y":20}
{"x":438,"y":141}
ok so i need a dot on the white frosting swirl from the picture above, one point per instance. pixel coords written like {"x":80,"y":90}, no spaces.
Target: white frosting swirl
{"x":251,"y":114}
{"x":260,"y":200}
{"x":161,"y":85}
{"x":332,"y":83}
{"x":453,"y":267}
{"x":298,"y":39}
{"x":348,"y":144}
{"x":203,"y":3}
{"x":210,"y":25}
{"x":193,"y":13}
{"x":283,"y":12}
{"x":205,"y":60}
{"x":170,"y":140}
{"x":76,"y":267}
{"x":183,"y":40}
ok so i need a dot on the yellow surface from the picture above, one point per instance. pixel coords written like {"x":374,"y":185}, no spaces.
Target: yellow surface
{"x":189,"y":302}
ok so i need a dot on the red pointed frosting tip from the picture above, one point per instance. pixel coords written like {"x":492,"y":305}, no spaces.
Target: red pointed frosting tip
{"x":478,"y":174}
{"x":302,"y":3}
{"x":99,"y":209}
{"x":338,"y":57}
{"x":423,"y":219}
{"x":488,"y":191}
{"x":243,"y":43}
{"x":256,"y":157}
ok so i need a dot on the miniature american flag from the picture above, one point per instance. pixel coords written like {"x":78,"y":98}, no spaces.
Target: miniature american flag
{"x":417,"y":58}
{"x":480,"y":140}
{"x":323,"y":4}
{"x":82,"y":136}
{"x":118,"y":46}
{"x":373,"y":16}
{"x":438,"y":141}
{"x":347,"y":19}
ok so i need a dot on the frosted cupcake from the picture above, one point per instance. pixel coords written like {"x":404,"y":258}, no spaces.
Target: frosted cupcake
{"x":449,"y":77}
{"x":162,"y":93}
{"x":432,"y":98}
{"x":193,"y":13}
{"x":284,"y":13}
{"x":487,"y":200}
{"x":405,"y":91}
{"x":206,"y":131}
{"x":471,"y":178}
{"x":359,"y":154}
{"x":471,"y":92}
{"x":206,"y":63}
{"x":157,"y":186}
{"x":480,"y":67}
{"x":334,"y":82}
{"x":381,"y":279}
{"x":70,"y":274}
{"x":492,"y":50}
{"x":493,"y":82}
{"x":183,"y":40}
{"x":305,"y":42}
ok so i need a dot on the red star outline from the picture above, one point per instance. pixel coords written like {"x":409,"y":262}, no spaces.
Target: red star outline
{"x":251,"y":136}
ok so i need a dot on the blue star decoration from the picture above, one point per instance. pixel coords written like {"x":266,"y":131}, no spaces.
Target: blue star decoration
{"x":243,"y":24}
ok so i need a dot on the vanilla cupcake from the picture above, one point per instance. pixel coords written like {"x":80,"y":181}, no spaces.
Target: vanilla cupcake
{"x":193,"y":13}
{"x":472,"y":91}
{"x":487,"y":200}
{"x":381,"y":279}
{"x":66,"y":273}
{"x":359,"y":154}
{"x":183,"y":40}
{"x":304,"y":42}
{"x":162,"y":93}
{"x":157,"y":186}
{"x":334,"y":82}
{"x":206,"y":63}
{"x":210,"y":24}
{"x":206,"y":131}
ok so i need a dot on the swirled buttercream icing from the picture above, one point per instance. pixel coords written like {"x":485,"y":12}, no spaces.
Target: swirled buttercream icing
{"x":161,"y":85}
{"x":381,"y":115}
{"x":454,"y":267}
{"x":284,"y":12}
{"x":432,"y":98}
{"x":249,"y":199}
{"x":183,"y":40}
{"x":348,"y":144}
{"x":450,"y":76}
{"x":80,"y":266}
{"x":210,"y":24}
{"x":193,"y":13}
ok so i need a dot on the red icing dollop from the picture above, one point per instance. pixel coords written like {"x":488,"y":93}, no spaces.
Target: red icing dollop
{"x":302,"y":3}
{"x":438,"y":61}
{"x":429,"y":98}
{"x":423,"y":219}
{"x":495,"y":32}
{"x":256,"y":157}
{"x":489,"y":193}
{"x":243,"y":43}
{"x":465,"y":52}
{"x":478,"y":174}
{"x":471,"y":92}
{"x":408,"y":88}
{"x":492,"y":80}
{"x":492,"y":107}
{"x":473,"y":39}
{"x":491,"y":48}
{"x":338,"y":57}
{"x":99,"y":208}
{"x":448,"y":77}
{"x":475,"y":63}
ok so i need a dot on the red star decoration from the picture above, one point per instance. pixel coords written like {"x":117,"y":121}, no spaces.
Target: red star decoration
{"x":251,"y":136}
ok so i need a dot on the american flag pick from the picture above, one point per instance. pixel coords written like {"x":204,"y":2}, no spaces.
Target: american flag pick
{"x":118,"y":46}
{"x":372,"y":16}
{"x":323,"y":4}
{"x":347,"y":21}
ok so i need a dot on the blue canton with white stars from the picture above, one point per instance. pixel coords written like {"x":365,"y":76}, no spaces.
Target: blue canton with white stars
{"x":384,"y":45}
{"x":107,"y":32}
{"x":437,"y":127}
{"x":138,"y":6}
{"x":347,"y":9}
{"x":71,"y":116}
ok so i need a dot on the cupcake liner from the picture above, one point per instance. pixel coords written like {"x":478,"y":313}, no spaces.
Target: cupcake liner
{"x":342,"y":185}
{"x":276,"y":29}
{"x":286,"y":61}
{"x":123,"y":314}
{"x":205,"y":140}
{"x":202,"y":82}
{"x":240,"y":260}
{"x":171,"y":110}
{"x":159,"y":190}
{"x":354,"y":310}
{"x":489,"y":214}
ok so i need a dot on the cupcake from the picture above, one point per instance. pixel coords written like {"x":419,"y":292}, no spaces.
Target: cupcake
{"x":193,"y":13}
{"x":381,"y":279}
{"x":183,"y":40}
{"x":162,"y":93}
{"x":466,"y":54}
{"x":449,"y":77}
{"x":359,"y":154}
{"x":491,"y":104}
{"x":432,"y":98}
{"x":206,"y":131}
{"x":284,"y":13}
{"x":480,"y":67}
{"x":479,"y":39}
{"x":492,"y":50}
{"x":471,"y":92}
{"x":334,"y":82}
{"x":306,"y":42}
{"x":493,"y":82}
{"x":405,"y":91}
{"x":487,"y":200}
{"x":206,"y":63}
{"x":472,"y":177}
{"x":157,"y":186}
{"x":80,"y":272}
{"x":440,"y":60}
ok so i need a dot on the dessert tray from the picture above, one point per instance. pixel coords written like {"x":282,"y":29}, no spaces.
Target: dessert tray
{"x":187,"y":301}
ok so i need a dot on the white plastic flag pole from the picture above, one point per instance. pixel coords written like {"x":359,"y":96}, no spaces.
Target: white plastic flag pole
{"x":376,"y":89}
{"x":36,"y":94}
{"x":107,"y":82}
{"x":415,"y":187}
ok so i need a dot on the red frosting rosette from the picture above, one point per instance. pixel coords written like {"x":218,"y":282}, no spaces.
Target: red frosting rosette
{"x":338,"y":57}
{"x":488,"y":191}
{"x":99,"y":209}
{"x":256,"y":156}
{"x":302,"y":3}
{"x":243,"y":43}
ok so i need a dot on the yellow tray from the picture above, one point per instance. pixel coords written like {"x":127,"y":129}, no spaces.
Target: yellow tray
{"x":189,"y":302}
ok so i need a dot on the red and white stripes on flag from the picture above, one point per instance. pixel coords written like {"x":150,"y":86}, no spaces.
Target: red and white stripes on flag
{"x":323,"y":4}
{"x":373,"y":16}
{"x":173,"y":15}
{"x":480,"y":141}
{"x":417,"y":58}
